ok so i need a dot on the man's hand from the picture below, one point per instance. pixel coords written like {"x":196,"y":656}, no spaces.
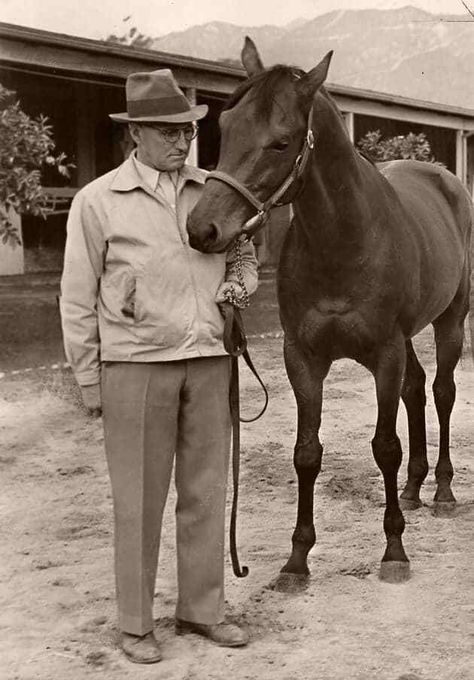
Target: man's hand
{"x":226,"y":288}
{"x":91,"y":399}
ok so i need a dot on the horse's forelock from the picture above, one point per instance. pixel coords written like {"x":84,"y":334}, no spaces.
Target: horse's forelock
{"x":263,"y":86}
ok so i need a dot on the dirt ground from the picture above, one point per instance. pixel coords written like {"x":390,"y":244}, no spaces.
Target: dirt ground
{"x":57,"y":613}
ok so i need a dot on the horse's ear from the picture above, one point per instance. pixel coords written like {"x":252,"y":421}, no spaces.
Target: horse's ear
{"x":310,"y":83}
{"x":251,"y":58}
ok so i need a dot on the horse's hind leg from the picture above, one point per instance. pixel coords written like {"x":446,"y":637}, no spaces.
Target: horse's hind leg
{"x":449,"y":334}
{"x":414,"y":398}
{"x":306,"y":375}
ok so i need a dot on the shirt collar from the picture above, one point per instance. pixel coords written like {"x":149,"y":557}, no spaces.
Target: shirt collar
{"x":128,"y":177}
{"x":149,"y":175}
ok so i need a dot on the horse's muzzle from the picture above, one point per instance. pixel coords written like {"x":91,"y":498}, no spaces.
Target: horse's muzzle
{"x":206,"y":239}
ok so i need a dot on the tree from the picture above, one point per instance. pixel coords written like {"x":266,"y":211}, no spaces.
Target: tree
{"x":26,"y":147}
{"x":410,"y":146}
{"x":132,"y":38}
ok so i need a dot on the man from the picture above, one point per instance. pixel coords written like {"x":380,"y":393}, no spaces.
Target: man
{"x":143,"y":333}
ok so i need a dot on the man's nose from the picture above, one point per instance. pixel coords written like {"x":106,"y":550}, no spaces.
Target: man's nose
{"x":182,"y":144}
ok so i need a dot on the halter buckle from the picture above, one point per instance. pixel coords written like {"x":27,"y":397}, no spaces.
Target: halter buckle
{"x":253,"y":224}
{"x":310,"y":139}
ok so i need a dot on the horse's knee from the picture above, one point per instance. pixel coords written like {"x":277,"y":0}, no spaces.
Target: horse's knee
{"x":308,"y":456}
{"x":444,"y":391}
{"x":387,"y":452}
{"x":413,"y":391}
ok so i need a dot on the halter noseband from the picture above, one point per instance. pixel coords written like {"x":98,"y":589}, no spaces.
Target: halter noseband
{"x":256,"y":222}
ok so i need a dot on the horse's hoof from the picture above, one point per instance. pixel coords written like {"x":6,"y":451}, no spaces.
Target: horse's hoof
{"x":444,"y":508}
{"x":409,"y":504}
{"x":289,"y":583}
{"x":394,"y":572}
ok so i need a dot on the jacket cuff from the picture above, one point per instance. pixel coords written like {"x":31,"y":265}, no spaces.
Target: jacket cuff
{"x":87,"y":379}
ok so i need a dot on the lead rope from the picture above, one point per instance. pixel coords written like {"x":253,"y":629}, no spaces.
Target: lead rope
{"x":235,"y":343}
{"x":243,"y":300}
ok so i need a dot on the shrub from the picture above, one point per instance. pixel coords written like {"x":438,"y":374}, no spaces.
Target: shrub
{"x":410,"y":146}
{"x":26,"y":146}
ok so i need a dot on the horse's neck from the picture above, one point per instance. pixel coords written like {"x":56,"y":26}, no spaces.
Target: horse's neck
{"x":332,"y":208}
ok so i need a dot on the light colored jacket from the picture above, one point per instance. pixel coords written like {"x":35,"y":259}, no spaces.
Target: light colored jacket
{"x":132,"y":287}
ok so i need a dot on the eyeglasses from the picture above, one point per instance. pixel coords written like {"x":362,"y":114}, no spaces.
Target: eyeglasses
{"x":171,"y":135}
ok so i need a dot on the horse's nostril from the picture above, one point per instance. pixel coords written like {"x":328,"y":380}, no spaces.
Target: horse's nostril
{"x":213,"y":234}
{"x":206,"y":237}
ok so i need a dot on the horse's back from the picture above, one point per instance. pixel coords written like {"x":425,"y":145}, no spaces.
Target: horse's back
{"x":432,"y":196}
{"x":438,"y":218}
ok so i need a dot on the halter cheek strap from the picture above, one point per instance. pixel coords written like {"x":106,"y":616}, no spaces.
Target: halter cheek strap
{"x":256,"y":222}
{"x":240,"y":188}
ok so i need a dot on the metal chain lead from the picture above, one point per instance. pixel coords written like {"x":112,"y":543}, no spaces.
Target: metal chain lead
{"x":242,"y":300}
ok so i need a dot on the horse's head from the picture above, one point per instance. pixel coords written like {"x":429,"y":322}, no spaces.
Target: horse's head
{"x":266,"y":139}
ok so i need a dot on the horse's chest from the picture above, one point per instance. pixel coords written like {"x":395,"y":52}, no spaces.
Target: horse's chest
{"x":337,"y":332}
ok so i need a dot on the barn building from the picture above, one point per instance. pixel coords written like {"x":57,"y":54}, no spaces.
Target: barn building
{"x":77,"y":82}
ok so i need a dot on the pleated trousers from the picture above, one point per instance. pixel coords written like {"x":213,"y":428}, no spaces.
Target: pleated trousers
{"x":155,"y":414}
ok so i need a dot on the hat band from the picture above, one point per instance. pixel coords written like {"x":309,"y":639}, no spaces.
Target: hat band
{"x":157,"y":107}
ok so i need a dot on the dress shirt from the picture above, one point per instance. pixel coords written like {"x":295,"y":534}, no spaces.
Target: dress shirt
{"x":164,"y":183}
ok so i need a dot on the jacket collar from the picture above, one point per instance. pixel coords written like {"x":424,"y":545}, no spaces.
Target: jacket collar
{"x":127,"y":178}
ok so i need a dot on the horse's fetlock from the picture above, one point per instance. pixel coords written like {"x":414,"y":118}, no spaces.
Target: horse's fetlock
{"x":393,"y":524}
{"x":418,"y":469}
{"x":304,"y":536}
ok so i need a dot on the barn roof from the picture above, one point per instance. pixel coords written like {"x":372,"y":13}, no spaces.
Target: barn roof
{"x":26,"y":48}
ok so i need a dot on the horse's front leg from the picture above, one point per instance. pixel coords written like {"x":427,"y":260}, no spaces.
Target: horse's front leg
{"x":306,"y":374}
{"x":388,"y":370}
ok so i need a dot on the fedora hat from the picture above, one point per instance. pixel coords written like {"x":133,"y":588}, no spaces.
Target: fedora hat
{"x":154,"y":96}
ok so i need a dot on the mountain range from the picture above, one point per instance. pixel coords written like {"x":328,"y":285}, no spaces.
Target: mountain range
{"x":404,"y":51}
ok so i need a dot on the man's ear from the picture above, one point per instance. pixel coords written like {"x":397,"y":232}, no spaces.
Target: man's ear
{"x":251,"y":58}
{"x":310,"y":83}
{"x":134,"y":130}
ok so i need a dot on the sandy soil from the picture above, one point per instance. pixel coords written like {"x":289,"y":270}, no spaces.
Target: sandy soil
{"x":57,"y":614}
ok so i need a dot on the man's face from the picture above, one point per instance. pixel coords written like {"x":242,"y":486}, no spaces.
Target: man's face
{"x":162,"y":146}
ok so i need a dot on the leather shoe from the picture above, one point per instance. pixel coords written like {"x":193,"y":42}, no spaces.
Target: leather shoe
{"x":223,"y":634}
{"x":140,"y":649}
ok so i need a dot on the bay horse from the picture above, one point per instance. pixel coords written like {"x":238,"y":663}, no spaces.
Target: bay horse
{"x":372,"y":256}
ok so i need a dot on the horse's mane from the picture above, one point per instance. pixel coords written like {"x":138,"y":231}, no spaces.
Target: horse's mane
{"x":263,"y":86}
{"x":367,"y":156}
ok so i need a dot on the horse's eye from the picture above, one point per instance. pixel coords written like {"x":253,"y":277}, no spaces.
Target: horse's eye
{"x":280,"y":145}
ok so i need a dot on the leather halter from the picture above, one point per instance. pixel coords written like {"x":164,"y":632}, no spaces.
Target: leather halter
{"x":256,"y":222}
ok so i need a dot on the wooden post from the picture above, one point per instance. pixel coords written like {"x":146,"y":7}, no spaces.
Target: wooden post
{"x":461,"y":155}
{"x":193,"y":158}
{"x":85,"y":111}
{"x":470,"y":162}
{"x":349,"y":118}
